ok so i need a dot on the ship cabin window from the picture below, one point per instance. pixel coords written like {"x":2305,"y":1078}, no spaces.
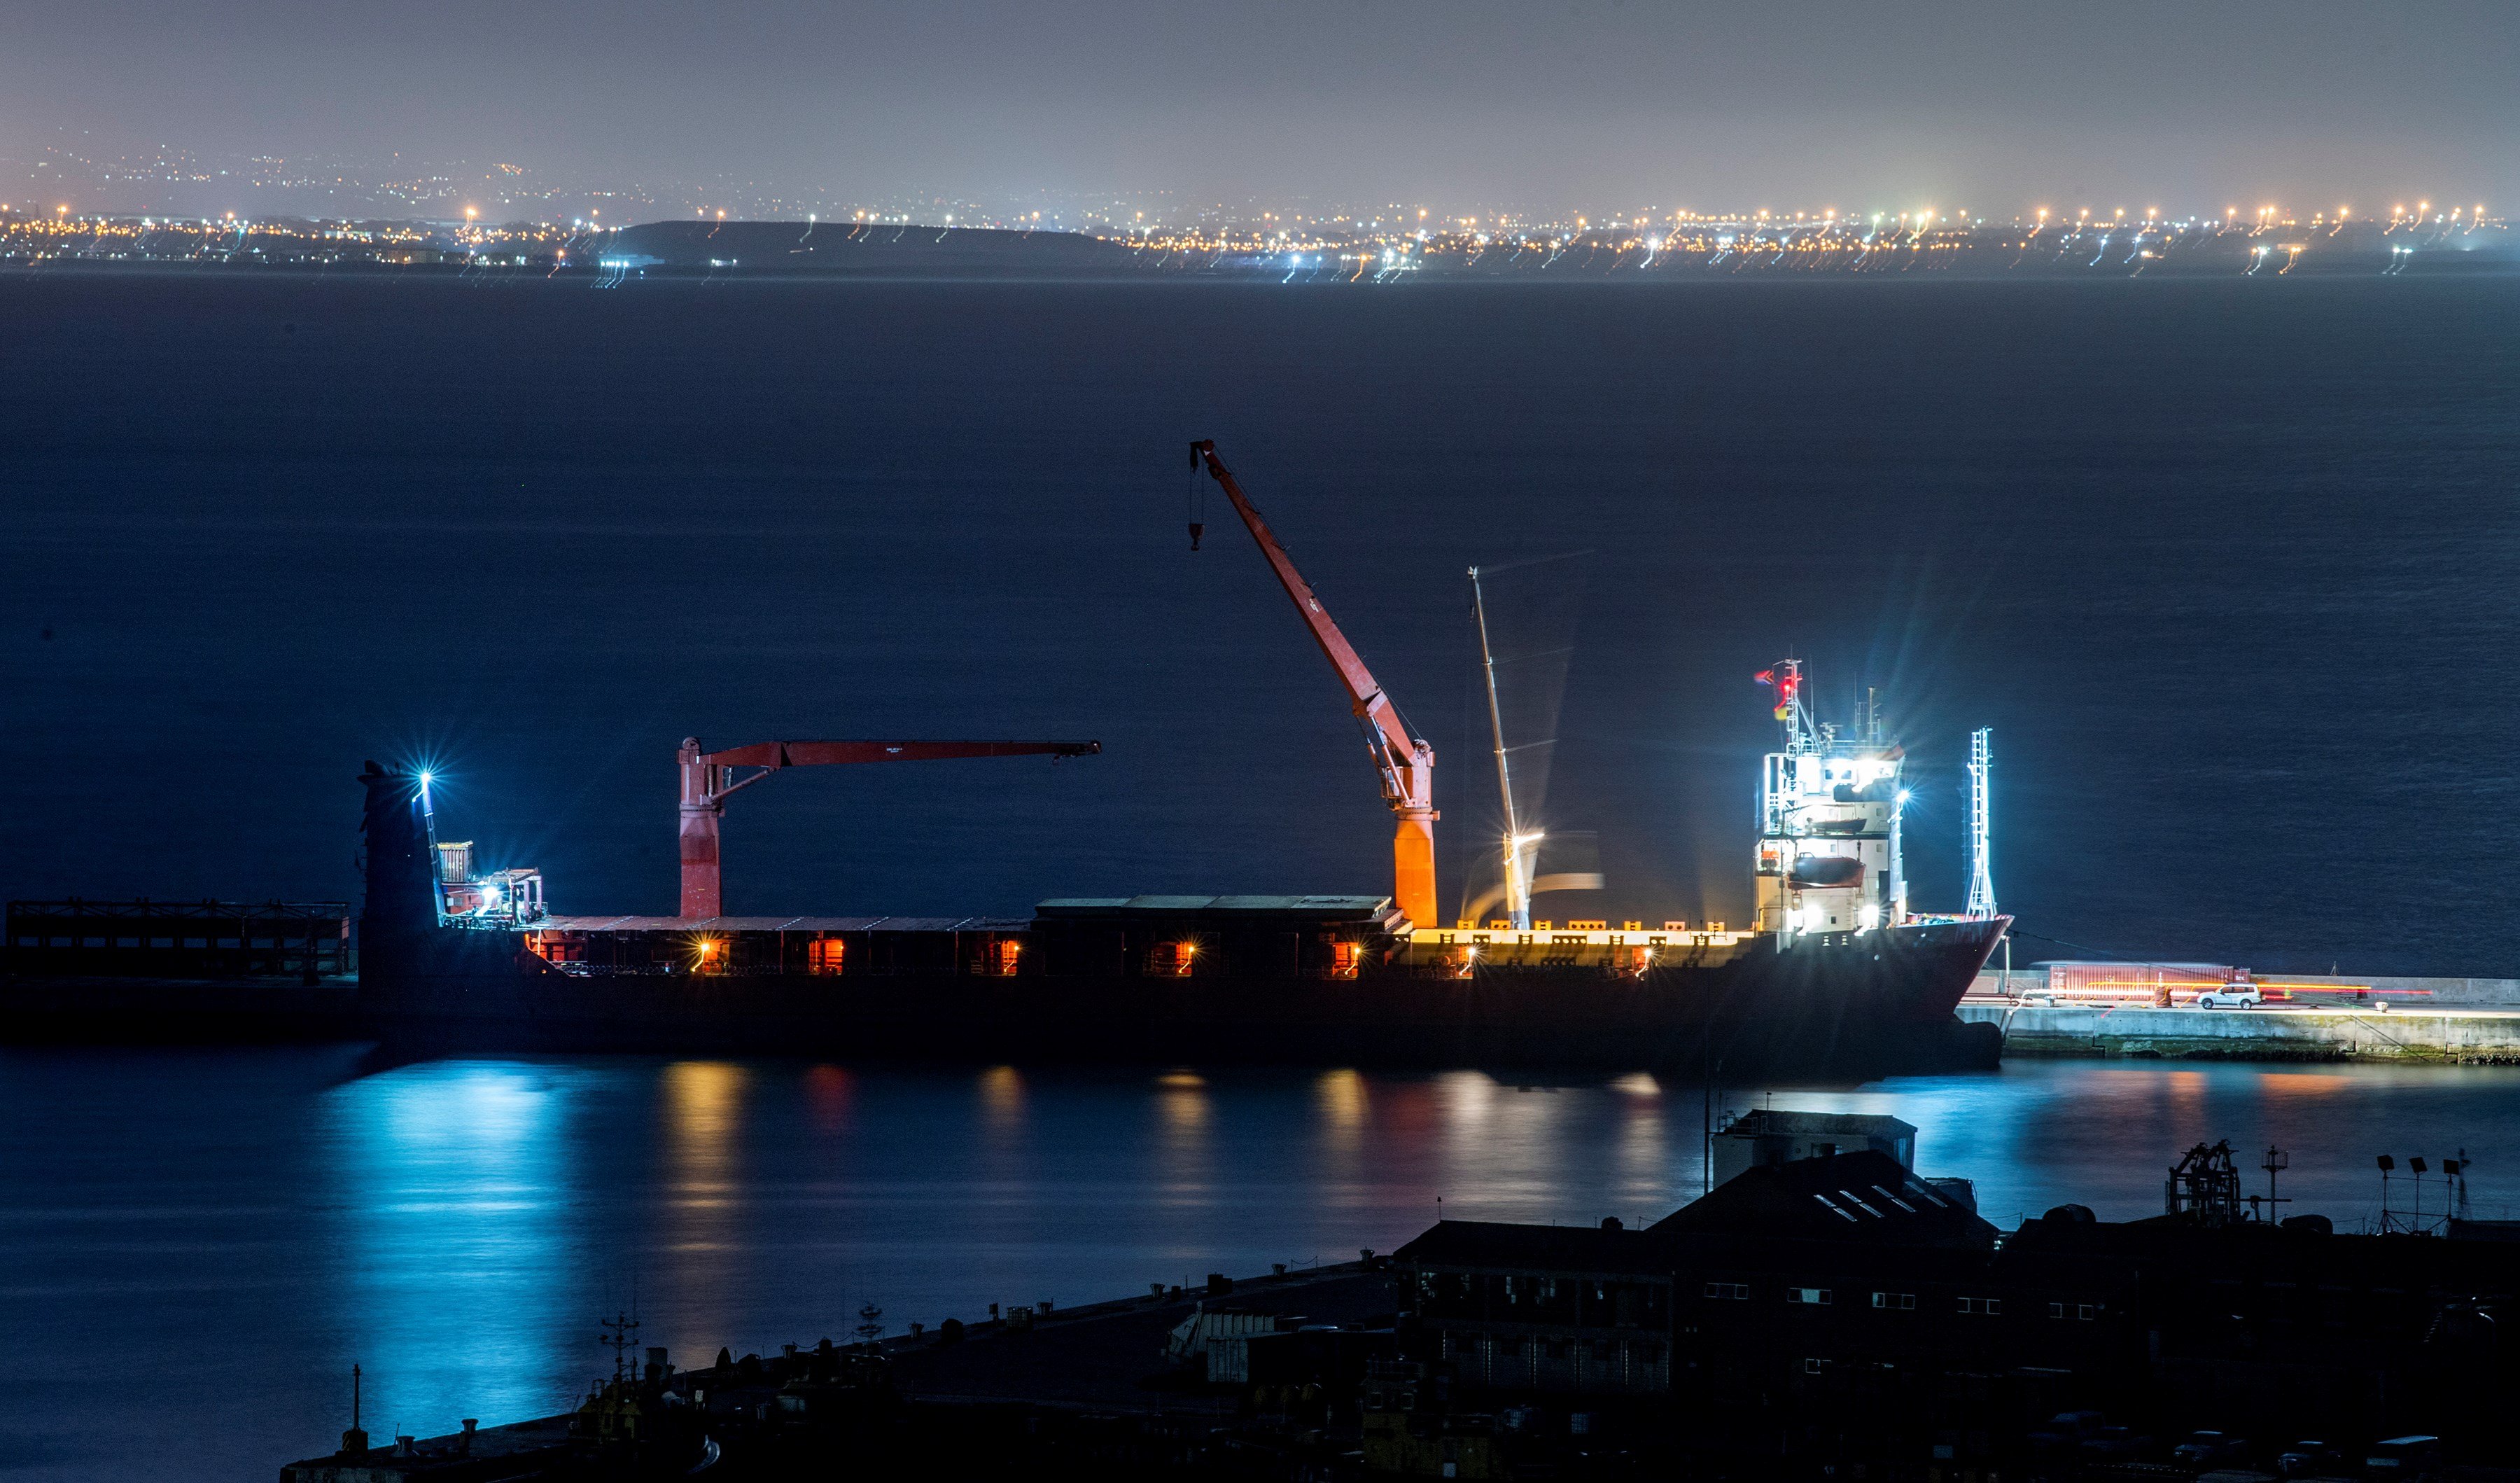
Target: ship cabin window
{"x":1734,"y":1291}
{"x":1903,"y":1302}
{"x":1009,"y":954}
{"x":1990,"y":1307}
{"x":823,"y":954}
{"x":2078,"y":1312}
{"x":555,"y":948}
{"x":1172,"y":960}
{"x":1814,"y":1295}
{"x":1344,"y":958}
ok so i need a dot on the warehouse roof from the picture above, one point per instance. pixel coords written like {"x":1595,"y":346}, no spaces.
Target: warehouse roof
{"x":1561,"y":1249}
{"x":1862,"y":1197}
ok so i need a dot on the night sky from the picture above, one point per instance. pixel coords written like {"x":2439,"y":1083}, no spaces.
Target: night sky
{"x":1996,"y":107}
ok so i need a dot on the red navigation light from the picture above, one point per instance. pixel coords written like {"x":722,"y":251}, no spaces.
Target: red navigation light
{"x":1787,"y":679}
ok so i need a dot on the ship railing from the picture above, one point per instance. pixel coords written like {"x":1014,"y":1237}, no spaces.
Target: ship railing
{"x":579,"y":970}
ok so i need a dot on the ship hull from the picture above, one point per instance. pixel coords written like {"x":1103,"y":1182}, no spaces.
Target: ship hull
{"x":1851,"y":1007}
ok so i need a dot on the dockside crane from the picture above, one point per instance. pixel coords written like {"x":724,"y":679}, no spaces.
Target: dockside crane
{"x":1406,"y":763}
{"x":707,"y":778}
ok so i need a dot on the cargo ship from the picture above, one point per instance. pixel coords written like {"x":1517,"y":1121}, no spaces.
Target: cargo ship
{"x":1837,"y":978}
{"x":1827,"y":985}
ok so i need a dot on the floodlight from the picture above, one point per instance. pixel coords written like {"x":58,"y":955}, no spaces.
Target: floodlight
{"x":2387,"y":1163}
{"x":2416,"y":1164}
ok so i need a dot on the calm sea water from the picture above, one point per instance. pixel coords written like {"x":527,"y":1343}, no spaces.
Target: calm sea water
{"x":2232,"y":569}
{"x":195,"y":1247}
{"x":2229,"y":568}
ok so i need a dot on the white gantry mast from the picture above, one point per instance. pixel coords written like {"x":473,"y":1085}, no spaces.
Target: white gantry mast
{"x":1518,"y":847}
{"x":1981,"y":885}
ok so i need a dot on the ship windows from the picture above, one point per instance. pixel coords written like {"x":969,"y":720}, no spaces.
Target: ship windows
{"x":1734,"y":1291}
{"x":1902,"y":1302}
{"x":1989,"y":1307}
{"x":2082,"y":1313}
{"x":1820,"y":1297}
{"x":1009,"y":954}
{"x":823,"y":954}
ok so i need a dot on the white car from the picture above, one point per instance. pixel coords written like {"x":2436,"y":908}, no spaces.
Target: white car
{"x":2231,"y":995}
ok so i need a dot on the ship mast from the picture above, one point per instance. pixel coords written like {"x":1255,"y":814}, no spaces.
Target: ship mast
{"x":1981,"y":768}
{"x":1518,"y":845}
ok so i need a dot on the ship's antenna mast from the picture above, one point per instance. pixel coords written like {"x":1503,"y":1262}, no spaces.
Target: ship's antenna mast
{"x":1981,"y":887}
{"x":1518,"y":845}
{"x":619,"y":1334}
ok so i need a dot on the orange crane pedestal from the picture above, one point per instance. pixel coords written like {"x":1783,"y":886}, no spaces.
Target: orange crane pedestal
{"x":707,"y":778}
{"x":1406,"y":763}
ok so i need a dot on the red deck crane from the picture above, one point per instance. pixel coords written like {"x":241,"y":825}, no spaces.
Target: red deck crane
{"x":1405,"y":762}
{"x":708,"y":777}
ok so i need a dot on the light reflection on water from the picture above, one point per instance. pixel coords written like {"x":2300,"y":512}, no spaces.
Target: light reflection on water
{"x":457,"y":1228}
{"x":456,"y":1236}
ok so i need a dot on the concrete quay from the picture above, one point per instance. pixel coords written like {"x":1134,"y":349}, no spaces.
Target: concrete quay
{"x":2314,"y":990}
{"x":2271,"y":1032}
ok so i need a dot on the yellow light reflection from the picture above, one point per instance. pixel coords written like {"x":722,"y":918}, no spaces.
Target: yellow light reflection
{"x":702,"y":1101}
{"x":1002,"y":1095}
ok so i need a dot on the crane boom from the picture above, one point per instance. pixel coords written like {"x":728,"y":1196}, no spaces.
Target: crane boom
{"x":707,"y":778}
{"x":1406,"y":763}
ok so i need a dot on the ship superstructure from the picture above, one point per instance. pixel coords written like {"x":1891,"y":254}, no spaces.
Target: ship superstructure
{"x":1828,"y":822}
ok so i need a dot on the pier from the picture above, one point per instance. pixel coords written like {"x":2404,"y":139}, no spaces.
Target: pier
{"x":2314,"y":1018}
{"x":2273,"y":1032}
